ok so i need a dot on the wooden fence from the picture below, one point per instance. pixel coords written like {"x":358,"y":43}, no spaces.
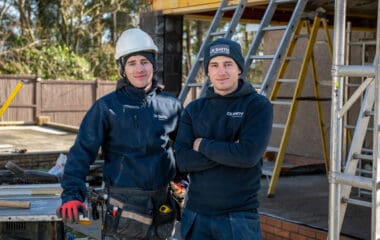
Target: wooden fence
{"x":63,"y":102}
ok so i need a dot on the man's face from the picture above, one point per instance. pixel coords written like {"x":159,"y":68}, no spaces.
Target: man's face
{"x":139,"y":71}
{"x":224,"y":74}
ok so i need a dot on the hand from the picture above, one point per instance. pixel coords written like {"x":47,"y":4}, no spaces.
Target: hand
{"x":196,"y":144}
{"x":70,"y":211}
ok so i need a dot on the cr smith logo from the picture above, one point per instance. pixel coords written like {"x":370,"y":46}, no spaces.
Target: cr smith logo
{"x":219,"y":49}
{"x":235,"y":114}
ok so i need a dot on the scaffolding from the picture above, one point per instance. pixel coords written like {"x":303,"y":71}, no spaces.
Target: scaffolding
{"x":343,"y":167}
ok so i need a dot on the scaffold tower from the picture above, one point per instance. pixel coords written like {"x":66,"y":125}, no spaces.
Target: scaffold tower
{"x":343,"y":175}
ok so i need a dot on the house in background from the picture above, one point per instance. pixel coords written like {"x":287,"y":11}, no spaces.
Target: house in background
{"x":325,"y":125}
{"x":332,"y":104}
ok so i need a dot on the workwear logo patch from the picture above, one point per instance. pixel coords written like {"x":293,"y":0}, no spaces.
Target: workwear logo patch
{"x":235,"y":114}
{"x":219,"y":49}
{"x":161,"y":117}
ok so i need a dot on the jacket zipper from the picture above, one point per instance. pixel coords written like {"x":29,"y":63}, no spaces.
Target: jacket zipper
{"x":135,"y":122}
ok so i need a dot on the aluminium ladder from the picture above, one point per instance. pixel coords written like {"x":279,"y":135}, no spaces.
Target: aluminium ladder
{"x":212,"y":32}
{"x":342,"y":181}
{"x":365,"y":158}
{"x":252,"y":53}
{"x":298,"y":83}
{"x":278,"y":57}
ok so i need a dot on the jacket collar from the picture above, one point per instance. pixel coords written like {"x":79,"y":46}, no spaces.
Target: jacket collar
{"x":137,"y":93}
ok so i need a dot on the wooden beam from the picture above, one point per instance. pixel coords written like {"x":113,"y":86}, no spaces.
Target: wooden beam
{"x":194,"y":6}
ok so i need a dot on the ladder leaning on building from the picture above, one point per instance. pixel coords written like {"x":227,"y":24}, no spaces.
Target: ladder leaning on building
{"x":343,"y":172}
{"x":252,"y":53}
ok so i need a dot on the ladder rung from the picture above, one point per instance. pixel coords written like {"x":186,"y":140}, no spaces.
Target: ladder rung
{"x":274,"y":28}
{"x":320,"y":42}
{"x":262,"y":56}
{"x":368,"y":150}
{"x":356,"y":71}
{"x":256,"y":86}
{"x":229,"y":8}
{"x":353,"y":127}
{"x":287,"y":80}
{"x":357,"y":202}
{"x":272,"y":149}
{"x":364,"y":42}
{"x":361,"y":171}
{"x":266,"y":172}
{"x":301,"y":36}
{"x":278,"y":125}
{"x":276,"y":102}
{"x":353,"y":84}
{"x":285,"y":1}
{"x":218,"y":33}
{"x":294,"y":58}
{"x":362,"y":156}
{"x":350,"y":180}
{"x":365,"y":192}
{"x":195,"y":84}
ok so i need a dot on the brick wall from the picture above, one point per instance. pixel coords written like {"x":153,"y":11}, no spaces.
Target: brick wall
{"x":274,"y":228}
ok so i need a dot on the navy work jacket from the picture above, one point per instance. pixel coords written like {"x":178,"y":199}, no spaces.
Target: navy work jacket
{"x":133,"y":128}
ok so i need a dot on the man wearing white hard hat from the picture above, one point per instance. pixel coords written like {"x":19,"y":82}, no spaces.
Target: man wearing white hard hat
{"x":134,"y":126}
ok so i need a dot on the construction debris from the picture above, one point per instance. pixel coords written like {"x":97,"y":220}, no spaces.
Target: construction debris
{"x":14,"y":174}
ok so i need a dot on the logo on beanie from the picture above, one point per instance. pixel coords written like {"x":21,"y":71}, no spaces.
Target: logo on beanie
{"x":219,"y":49}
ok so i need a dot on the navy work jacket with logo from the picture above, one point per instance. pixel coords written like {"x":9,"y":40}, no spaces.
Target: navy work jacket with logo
{"x":235,"y":130}
{"x":132,"y":128}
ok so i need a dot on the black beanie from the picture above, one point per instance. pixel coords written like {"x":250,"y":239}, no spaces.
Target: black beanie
{"x":123,"y":60}
{"x":223,"y":47}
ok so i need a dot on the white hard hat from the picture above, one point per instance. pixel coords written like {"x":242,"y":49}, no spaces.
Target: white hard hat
{"x":134,"y":40}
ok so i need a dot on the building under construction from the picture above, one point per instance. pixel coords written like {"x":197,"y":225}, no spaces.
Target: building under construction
{"x":321,"y":75}
{"x":320,"y":70}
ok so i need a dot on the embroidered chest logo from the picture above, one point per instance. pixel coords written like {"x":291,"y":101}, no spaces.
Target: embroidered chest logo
{"x":160,"y":117}
{"x":235,"y":114}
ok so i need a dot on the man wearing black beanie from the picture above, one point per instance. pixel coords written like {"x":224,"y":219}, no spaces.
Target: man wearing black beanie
{"x":220,"y":143}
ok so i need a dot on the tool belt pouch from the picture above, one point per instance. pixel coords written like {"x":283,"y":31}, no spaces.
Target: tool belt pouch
{"x":128,"y":215}
{"x":167,"y":211}
{"x":164,"y":218}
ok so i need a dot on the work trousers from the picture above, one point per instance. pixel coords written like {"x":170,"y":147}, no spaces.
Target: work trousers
{"x":151,"y":234}
{"x":243,"y":225}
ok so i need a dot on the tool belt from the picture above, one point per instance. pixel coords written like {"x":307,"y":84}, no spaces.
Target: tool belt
{"x":132,"y":213}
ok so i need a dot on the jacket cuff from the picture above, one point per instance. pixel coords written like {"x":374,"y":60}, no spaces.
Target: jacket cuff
{"x":202,"y":145}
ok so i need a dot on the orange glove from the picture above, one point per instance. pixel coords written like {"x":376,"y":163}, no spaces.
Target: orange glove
{"x":70,"y":211}
{"x":178,"y":190}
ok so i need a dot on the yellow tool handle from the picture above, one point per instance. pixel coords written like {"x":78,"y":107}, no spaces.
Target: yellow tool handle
{"x":10,"y":98}
{"x":14,"y":204}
